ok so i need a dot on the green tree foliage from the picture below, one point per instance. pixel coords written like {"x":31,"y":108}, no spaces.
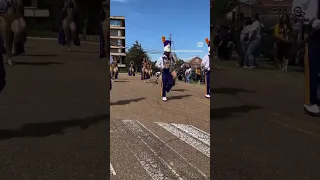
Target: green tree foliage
{"x":136,"y":54}
{"x":219,"y":8}
{"x":180,"y":62}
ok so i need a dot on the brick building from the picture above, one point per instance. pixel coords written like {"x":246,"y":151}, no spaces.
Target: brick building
{"x":194,"y":62}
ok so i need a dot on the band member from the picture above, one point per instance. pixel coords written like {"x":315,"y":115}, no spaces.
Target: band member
{"x":149,"y":69}
{"x":104,"y":28}
{"x":12,"y":28}
{"x":114,"y":69}
{"x":69,"y":32}
{"x":111,"y":61}
{"x":165,"y":63}
{"x":206,"y":65}
{"x":309,"y":12}
{"x":144,"y":69}
{"x":131,"y":69}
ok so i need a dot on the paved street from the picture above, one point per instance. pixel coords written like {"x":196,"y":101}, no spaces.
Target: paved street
{"x":54,"y":114}
{"x":259,"y":129}
{"x":151,"y":139}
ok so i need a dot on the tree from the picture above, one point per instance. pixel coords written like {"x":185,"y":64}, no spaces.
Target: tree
{"x":136,"y":54}
{"x":219,"y":8}
{"x":180,"y":62}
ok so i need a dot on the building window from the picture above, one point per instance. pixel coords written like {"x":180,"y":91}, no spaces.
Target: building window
{"x":115,"y":23}
{"x":114,"y":50}
{"x":113,"y":32}
{"x":116,"y":42}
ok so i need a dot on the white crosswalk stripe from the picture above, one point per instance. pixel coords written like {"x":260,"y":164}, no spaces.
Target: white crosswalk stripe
{"x":190,"y":135}
{"x":112,"y":171}
{"x":160,"y":159}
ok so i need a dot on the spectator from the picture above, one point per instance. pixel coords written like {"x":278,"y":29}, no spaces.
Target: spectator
{"x":283,"y":31}
{"x":254,"y":43}
{"x":224,"y":48}
{"x":244,"y":39}
{"x":198,"y":75}
{"x":236,"y":37}
{"x":188,"y":74}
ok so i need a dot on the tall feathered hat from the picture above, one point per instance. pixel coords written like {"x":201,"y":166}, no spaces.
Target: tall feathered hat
{"x":208,"y":43}
{"x":166,"y":44}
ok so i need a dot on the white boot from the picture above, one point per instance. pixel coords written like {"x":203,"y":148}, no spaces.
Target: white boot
{"x":164,"y":99}
{"x":312,"y":108}
{"x":207,"y":95}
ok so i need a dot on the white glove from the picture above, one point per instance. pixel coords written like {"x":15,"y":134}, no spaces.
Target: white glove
{"x":316,"y":24}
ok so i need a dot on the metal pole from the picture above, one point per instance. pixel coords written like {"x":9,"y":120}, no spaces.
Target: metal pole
{"x":170,"y":37}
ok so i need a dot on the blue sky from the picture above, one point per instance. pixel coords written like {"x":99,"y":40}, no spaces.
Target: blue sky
{"x":148,"y":20}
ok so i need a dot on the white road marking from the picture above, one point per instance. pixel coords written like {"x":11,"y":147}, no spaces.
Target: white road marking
{"x":173,"y":150}
{"x":193,"y":140}
{"x":194,"y":132}
{"x":147,"y":162}
{"x":112,"y":171}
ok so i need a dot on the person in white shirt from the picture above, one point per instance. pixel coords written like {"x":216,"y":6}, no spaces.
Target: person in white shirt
{"x":309,"y":12}
{"x":165,"y":63}
{"x":206,"y":65}
{"x":188,"y":74}
{"x":254,"y":42}
{"x":244,"y":39}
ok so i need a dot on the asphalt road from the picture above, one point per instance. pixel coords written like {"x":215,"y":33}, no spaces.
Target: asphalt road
{"x":259,"y":129}
{"x":54,"y":114}
{"x":152,"y":139}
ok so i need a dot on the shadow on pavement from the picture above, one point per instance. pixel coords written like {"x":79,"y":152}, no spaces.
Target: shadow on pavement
{"x":40,"y":55}
{"x":37,"y":63}
{"x":180,"y":90}
{"x":50,"y":128}
{"x":229,"y":91}
{"x":226,"y":112}
{"x":219,"y":69}
{"x":123,"y":102}
{"x":86,"y":52}
{"x":178,"y":97}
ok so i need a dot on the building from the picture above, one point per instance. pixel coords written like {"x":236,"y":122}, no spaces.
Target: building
{"x":117,"y":39}
{"x":194,"y":62}
{"x":32,"y":9}
{"x":269,"y":10}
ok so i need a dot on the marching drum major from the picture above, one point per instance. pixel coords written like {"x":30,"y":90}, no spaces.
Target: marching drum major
{"x":166,"y":64}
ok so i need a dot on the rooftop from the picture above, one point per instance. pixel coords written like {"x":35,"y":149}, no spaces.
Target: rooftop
{"x":117,"y":17}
